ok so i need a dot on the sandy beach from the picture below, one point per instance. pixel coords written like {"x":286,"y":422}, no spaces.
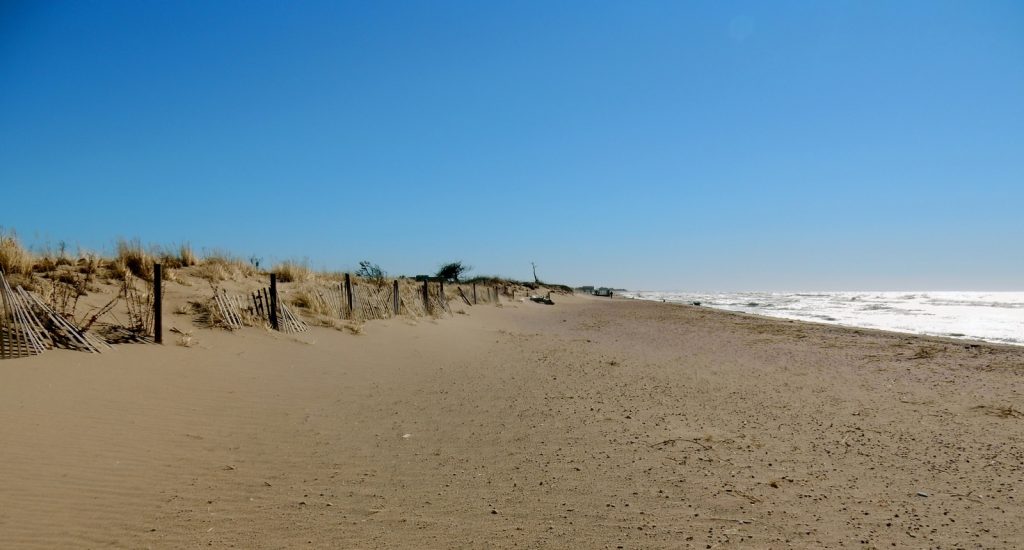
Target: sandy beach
{"x":511,"y":275}
{"x":593,"y":423}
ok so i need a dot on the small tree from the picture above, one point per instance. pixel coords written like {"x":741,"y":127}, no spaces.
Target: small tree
{"x":453,"y":271}
{"x":372,"y":272}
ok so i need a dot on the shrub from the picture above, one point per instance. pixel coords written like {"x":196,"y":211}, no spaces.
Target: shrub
{"x":452,"y":271}
{"x":372,"y":272}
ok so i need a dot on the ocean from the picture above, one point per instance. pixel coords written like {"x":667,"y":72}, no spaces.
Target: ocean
{"x":988,"y":316}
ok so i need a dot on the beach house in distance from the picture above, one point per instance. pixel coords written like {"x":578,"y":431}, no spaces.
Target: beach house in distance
{"x":600,"y":291}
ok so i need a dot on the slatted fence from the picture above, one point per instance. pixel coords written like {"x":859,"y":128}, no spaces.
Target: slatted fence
{"x":29,"y":326}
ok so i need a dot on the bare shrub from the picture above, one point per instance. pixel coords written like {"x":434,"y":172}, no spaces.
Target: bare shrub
{"x":140,"y":305}
{"x":88,"y":264}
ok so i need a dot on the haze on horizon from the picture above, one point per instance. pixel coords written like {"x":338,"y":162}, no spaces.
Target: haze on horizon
{"x":676,"y":146}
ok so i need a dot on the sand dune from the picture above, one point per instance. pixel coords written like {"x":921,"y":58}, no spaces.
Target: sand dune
{"x":592,"y":423}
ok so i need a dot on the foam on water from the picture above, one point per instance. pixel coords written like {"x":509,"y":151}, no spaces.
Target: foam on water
{"x":989,"y":316}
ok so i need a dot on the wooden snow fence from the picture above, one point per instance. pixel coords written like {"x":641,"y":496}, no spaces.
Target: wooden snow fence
{"x":28,"y":326}
{"x":287,"y":321}
{"x":18,"y":335}
{"x":438,"y":302}
{"x":462,"y":294}
{"x":371,"y":302}
{"x":473,"y":295}
{"x":228,"y":310}
{"x":330,"y":299}
{"x":61,"y":332}
{"x":410,"y":300}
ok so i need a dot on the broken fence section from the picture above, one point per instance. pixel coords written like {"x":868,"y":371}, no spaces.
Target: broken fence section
{"x":29,"y":326}
{"x":287,"y":321}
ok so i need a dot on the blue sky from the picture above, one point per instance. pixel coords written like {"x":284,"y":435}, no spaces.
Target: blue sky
{"x":650,"y":145}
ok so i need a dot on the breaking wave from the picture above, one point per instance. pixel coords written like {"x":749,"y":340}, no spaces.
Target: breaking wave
{"x":989,"y":316}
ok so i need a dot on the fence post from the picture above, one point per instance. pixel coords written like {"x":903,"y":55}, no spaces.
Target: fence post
{"x":396,"y":298}
{"x":348,"y":292}
{"x":273,"y":301}
{"x":426,"y":295}
{"x":158,"y":298}
{"x":474,"y":294}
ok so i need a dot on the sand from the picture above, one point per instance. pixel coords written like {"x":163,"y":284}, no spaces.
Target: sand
{"x":593,"y":423}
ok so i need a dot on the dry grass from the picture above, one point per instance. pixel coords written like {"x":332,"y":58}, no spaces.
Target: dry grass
{"x":133,"y":258}
{"x":353,"y":327}
{"x":176,"y":256}
{"x":88,"y":264}
{"x":116,"y":270}
{"x":211,"y":272}
{"x":186,"y":256}
{"x":331,"y":276}
{"x":14,"y":259}
{"x":229,"y":265}
{"x":309,"y":300}
{"x":293,"y":272}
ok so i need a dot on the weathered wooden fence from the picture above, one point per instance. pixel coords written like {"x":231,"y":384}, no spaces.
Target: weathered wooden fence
{"x":29,"y":326}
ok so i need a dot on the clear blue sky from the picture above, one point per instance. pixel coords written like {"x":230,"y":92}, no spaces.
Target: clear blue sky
{"x":651,"y":145}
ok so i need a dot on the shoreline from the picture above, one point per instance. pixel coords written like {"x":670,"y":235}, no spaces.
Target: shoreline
{"x":590,"y":423}
{"x":847,"y":324}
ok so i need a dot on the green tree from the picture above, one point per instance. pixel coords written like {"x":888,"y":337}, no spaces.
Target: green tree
{"x":372,"y":272}
{"x":453,"y":271}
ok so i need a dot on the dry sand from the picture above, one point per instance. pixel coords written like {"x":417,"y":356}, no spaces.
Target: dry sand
{"x":593,"y":423}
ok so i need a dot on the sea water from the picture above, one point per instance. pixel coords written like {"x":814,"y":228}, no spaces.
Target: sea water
{"x":989,"y":316}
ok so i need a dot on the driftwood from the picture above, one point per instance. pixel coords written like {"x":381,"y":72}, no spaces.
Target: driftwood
{"x":543,"y":300}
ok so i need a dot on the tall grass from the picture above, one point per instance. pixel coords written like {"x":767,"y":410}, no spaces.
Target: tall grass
{"x":176,"y":256}
{"x":186,"y":255}
{"x":14,"y":259}
{"x":291,"y":271}
{"x":228,"y":264}
{"x":133,"y":257}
